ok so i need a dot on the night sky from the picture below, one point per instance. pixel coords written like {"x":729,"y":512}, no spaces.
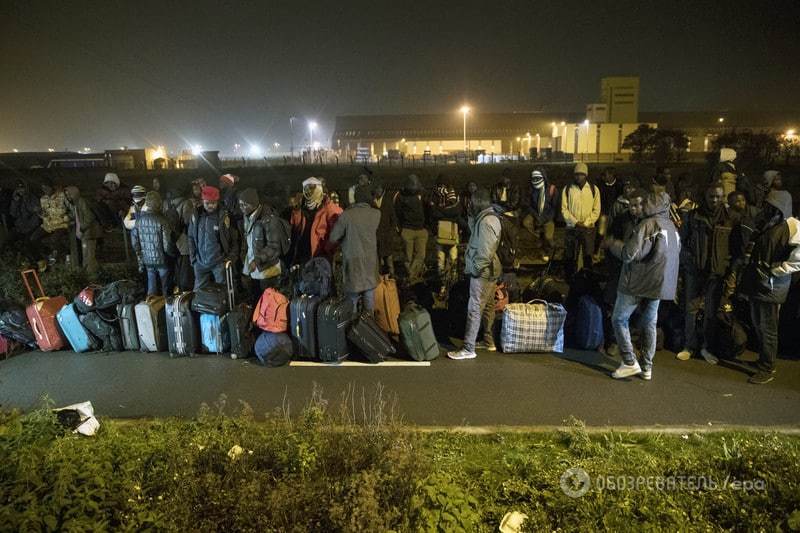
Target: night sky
{"x":137,"y":73}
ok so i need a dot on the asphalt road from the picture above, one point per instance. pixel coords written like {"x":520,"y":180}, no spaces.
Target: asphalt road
{"x":492,"y":390}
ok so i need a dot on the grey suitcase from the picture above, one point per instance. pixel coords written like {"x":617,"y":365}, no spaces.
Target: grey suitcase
{"x":151,"y":321}
{"x":127,"y":325}
{"x":183,"y":331}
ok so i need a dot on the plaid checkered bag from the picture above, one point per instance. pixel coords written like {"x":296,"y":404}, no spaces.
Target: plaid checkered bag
{"x":536,"y":326}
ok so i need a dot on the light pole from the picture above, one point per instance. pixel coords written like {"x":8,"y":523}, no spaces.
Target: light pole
{"x":311,"y":127}
{"x":291,"y":133}
{"x":519,"y":146}
{"x":528,"y":136}
{"x":586,"y":153}
{"x":464,"y":110}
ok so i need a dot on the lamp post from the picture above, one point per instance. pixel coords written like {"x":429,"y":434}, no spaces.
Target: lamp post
{"x":586,"y":152}
{"x":528,"y":136}
{"x":291,"y":133}
{"x":464,"y":110}
{"x":311,"y":127}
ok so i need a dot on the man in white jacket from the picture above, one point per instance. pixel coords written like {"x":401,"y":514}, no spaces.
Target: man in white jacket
{"x":580,"y":209}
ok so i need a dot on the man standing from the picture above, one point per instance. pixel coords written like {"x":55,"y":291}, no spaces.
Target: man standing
{"x":650,"y":259}
{"x":25,"y":210}
{"x":484,"y":269}
{"x":86,"y":226}
{"x":610,"y":189}
{"x":767,"y":277}
{"x":387,"y":229}
{"x":154,"y":245}
{"x":356,"y":230}
{"x":540,"y":220}
{"x":211,"y":240}
{"x":113,"y":198}
{"x":312,"y":222}
{"x":138,"y":194}
{"x":446,"y":215}
{"x":266,"y":240}
{"x":411,"y":214}
{"x":55,"y":221}
{"x":580,"y":208}
{"x":505,"y":194}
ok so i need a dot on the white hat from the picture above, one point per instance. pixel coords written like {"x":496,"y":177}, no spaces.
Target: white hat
{"x":312,"y":181}
{"x":111,"y":177}
{"x":727,"y":154}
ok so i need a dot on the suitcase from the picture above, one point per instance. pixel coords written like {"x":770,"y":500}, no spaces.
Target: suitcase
{"x":387,"y":305}
{"x":80,"y":339}
{"x":151,"y":322}
{"x":42,"y":313}
{"x":369,"y":339}
{"x":416,"y":331}
{"x":182,"y":326}
{"x":211,"y":300}
{"x":274,"y":349}
{"x":127,"y":325}
{"x":214,"y":333}
{"x":240,"y":325}
{"x":334,"y":317}
{"x":303,"y":324}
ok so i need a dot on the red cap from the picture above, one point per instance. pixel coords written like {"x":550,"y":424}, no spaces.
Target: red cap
{"x":210,"y":193}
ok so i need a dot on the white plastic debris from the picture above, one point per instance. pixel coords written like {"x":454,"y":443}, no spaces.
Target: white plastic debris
{"x":79,"y":417}
{"x":512,"y":522}
{"x":235,"y":452}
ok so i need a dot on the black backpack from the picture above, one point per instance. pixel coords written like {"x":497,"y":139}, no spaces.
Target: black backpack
{"x":124,"y":291}
{"x":106,"y":330}
{"x":509,"y":241}
{"x":14,"y":324}
{"x":315,"y":278}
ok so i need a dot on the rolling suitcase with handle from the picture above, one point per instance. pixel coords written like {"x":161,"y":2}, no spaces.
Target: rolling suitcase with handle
{"x":334,"y":317}
{"x":42,"y":313}
{"x":417,"y":333}
{"x":151,"y":321}
{"x":303,"y":324}
{"x":182,"y":327}
{"x":80,"y":339}
{"x":387,"y":305}
{"x":127,"y":325}
{"x":369,"y":339}
{"x":214,"y":334}
{"x":240,"y":325}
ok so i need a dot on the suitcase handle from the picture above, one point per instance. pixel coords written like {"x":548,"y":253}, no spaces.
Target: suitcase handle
{"x":229,"y":285}
{"x":25,"y":274}
{"x":36,"y":332}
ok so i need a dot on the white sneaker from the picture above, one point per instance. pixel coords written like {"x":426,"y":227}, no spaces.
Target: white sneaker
{"x":626,"y":371}
{"x":647,"y":374}
{"x":462,"y":354}
{"x":710,"y":358}
{"x":684,"y":355}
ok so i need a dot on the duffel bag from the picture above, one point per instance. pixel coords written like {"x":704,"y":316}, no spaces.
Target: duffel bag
{"x":14,"y":324}
{"x":124,"y":291}
{"x":211,"y":300}
{"x":536,"y":326}
{"x":106,"y":330}
{"x":274,"y":349}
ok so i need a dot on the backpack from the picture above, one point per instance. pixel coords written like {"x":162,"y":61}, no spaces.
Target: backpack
{"x":272,"y":312}
{"x":509,"y":240}
{"x":315,"y":278}
{"x":84,"y":301}
{"x":727,"y":338}
{"x":124,"y":291}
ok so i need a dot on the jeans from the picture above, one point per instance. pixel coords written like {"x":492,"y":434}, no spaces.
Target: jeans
{"x":625,"y":306}
{"x":203,"y":275}
{"x":367,"y":298}
{"x":445,"y":252}
{"x":416,"y":241}
{"x":765,"y":322}
{"x":153,"y":275}
{"x":480,"y":311}
{"x":578,"y":241}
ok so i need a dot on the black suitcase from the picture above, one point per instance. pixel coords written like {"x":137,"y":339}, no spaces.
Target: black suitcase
{"x":183,"y":330}
{"x":334,"y":317}
{"x":303,"y":324}
{"x":369,"y":339}
{"x":127,"y":326}
{"x":211,"y":300}
{"x":240,"y":321}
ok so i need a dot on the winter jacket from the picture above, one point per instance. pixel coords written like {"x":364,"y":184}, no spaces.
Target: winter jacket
{"x":791,"y":264}
{"x":767,"y":275}
{"x":54,"y":212}
{"x":548,"y":213}
{"x":580,"y":205}
{"x":151,"y":238}
{"x":620,"y":221}
{"x":446,"y":206}
{"x":321,"y":226}
{"x":481,"y":255}
{"x":650,"y":256}
{"x":387,"y":229}
{"x":211,"y":239}
{"x":83,"y":220}
{"x":266,"y":239}
{"x":506,"y":197}
{"x":609,"y":195}
{"x":133,"y":213}
{"x":706,"y":241}
{"x":410,"y":209}
{"x":356,"y":230}
{"x":117,"y":201}
{"x":25,"y":209}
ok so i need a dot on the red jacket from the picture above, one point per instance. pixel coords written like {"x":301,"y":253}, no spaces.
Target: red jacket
{"x":324,"y":220}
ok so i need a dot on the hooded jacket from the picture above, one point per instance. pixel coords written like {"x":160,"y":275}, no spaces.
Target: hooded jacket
{"x":324,"y":219}
{"x":83,"y":219}
{"x":117,"y":201}
{"x":650,"y":256}
{"x":387,"y":229}
{"x":707,"y":241}
{"x":151,"y":238}
{"x":408,"y":205}
{"x":512,"y":196}
{"x":548,"y":213}
{"x":211,"y":239}
{"x":54,"y":212}
{"x":580,"y":204}
{"x":25,"y":209}
{"x":767,"y":276}
{"x":480,"y":258}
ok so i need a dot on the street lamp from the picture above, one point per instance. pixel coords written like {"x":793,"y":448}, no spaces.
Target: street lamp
{"x":276,"y":145}
{"x":519,"y":145}
{"x":464,"y":110}
{"x":311,"y":127}
{"x":586,"y":153}
{"x":255,"y":150}
{"x":528,"y":136}
{"x":291,"y":133}
{"x":721,"y":120}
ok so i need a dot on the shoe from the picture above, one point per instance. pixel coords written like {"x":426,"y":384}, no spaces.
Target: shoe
{"x":684,"y":355}
{"x":710,"y":358}
{"x":761,"y":377}
{"x":462,"y":354}
{"x":626,"y":371}
{"x":488,"y":346}
{"x":647,"y":374}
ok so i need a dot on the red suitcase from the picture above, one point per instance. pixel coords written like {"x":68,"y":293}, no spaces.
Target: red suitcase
{"x":42,"y":315}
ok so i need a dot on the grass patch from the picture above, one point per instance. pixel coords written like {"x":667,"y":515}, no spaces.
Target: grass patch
{"x":360,"y":469}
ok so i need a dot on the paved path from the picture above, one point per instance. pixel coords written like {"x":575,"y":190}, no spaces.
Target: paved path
{"x":495,"y":389}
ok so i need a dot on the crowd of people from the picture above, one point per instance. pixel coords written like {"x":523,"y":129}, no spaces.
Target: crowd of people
{"x":733,"y":242}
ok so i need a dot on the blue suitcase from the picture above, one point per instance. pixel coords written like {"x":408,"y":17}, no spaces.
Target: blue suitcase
{"x":80,"y":339}
{"x":214,"y":333}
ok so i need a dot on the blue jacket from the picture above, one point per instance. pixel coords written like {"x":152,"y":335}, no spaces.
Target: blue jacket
{"x":212,"y":240}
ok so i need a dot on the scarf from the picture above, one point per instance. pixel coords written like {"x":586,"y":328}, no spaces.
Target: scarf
{"x":540,"y":187}
{"x":313,"y":198}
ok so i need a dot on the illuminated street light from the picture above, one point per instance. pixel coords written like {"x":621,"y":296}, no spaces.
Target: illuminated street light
{"x":464,"y":111}
{"x":311,"y":127}
{"x":721,"y":120}
{"x":51,"y":150}
{"x":197,"y":149}
{"x":158,"y":153}
{"x":790,"y":133}
{"x":15,"y":150}
{"x":276,"y":146}
{"x":236,"y":147}
{"x":255,"y":150}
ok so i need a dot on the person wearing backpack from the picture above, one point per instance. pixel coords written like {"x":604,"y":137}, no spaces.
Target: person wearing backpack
{"x":580,"y":209}
{"x":446,"y":216}
{"x":85,"y":225}
{"x":484,"y":269}
{"x":356,"y":232}
{"x":153,"y":242}
{"x":212,"y":240}
{"x":541,"y":212}
{"x":266,"y":242}
{"x":411,"y":215}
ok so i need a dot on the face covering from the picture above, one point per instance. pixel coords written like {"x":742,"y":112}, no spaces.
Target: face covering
{"x":313,"y":197}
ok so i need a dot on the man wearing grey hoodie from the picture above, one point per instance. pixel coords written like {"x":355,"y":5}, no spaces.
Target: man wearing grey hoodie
{"x":483,"y":267}
{"x":650,"y":257}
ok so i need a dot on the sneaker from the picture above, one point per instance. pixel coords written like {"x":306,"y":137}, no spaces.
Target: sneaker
{"x":761,"y":377}
{"x":488,"y":346}
{"x":684,"y":355}
{"x":462,"y":354}
{"x":710,"y":358}
{"x":647,"y":374}
{"x":626,"y":371}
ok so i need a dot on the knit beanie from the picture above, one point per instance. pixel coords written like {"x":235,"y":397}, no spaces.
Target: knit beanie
{"x":249,"y":196}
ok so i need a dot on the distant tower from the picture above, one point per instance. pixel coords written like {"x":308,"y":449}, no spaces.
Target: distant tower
{"x":621,"y":98}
